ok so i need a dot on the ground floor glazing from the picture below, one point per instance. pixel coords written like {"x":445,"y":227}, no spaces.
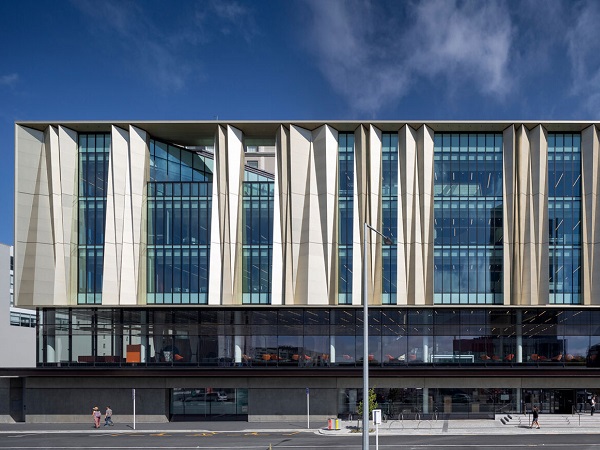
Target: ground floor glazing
{"x":317,"y":337}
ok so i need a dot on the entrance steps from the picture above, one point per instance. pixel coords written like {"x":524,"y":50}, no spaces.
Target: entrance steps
{"x":550,"y":420}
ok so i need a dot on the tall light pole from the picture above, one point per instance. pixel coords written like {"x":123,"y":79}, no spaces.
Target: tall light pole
{"x":365,"y":419}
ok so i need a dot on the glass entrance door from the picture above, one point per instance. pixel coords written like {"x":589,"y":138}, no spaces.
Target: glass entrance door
{"x":189,"y":404}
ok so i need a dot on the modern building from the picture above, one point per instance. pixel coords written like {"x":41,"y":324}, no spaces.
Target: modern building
{"x":217,"y":267}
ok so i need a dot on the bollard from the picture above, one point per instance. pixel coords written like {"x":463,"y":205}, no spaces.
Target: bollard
{"x":337,"y":424}
{"x":330,"y":424}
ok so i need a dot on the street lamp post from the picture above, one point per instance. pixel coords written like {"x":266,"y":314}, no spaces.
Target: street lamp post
{"x":365,"y":418}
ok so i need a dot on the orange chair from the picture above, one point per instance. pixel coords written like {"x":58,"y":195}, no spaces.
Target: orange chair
{"x":558,"y":357}
{"x":509,"y":357}
{"x":266,"y":357}
{"x":534,"y":357}
{"x":295,"y":357}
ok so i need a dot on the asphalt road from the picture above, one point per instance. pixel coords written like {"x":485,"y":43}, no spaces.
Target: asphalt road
{"x":289,"y":440}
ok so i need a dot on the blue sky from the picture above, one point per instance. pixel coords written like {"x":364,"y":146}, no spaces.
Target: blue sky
{"x":292,"y":60}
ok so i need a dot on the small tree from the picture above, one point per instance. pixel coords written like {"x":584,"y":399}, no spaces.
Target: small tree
{"x":372,"y":403}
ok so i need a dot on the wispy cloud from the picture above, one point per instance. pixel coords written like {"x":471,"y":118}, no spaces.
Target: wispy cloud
{"x":373,"y":53}
{"x":235,"y":16}
{"x":137,"y":43}
{"x":583,"y":49}
{"x":168,"y":56}
{"x":9,"y":80}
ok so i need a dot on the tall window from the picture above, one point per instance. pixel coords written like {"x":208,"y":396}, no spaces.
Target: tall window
{"x":564,"y":217}
{"x":94,"y":150}
{"x":257,"y":247}
{"x":345,"y":216}
{"x":468,"y":218}
{"x":389,"y":208}
{"x":179,"y":209}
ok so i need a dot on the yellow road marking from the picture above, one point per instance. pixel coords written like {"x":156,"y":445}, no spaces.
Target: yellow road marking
{"x":291,"y":434}
{"x":160,"y":434}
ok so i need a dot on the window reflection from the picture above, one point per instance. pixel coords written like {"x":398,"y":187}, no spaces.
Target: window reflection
{"x":257,"y":237}
{"x":94,"y":150}
{"x":345,"y":215}
{"x":389,"y":214}
{"x":179,"y":217}
{"x":468,"y":225}
{"x":564,"y":217}
{"x":319,"y":337}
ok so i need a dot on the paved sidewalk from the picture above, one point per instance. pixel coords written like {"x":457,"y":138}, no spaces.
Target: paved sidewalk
{"x":514,"y":424}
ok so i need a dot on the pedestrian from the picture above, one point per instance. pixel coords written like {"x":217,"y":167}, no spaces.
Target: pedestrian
{"x":536,"y":414}
{"x":96,"y":414}
{"x":108,"y":417}
{"x":593,"y":405}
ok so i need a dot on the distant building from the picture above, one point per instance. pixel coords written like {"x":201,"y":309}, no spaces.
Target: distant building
{"x":17,"y":326}
{"x":217,"y":267}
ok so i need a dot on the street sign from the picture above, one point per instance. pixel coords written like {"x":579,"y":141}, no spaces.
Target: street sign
{"x":377,"y":416}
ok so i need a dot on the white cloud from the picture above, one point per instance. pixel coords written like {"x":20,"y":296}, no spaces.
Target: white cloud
{"x":349,"y":57}
{"x":9,"y":80}
{"x":373,"y":53}
{"x":464,"y":42}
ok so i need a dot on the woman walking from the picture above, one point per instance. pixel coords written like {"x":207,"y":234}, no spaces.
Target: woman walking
{"x":96,"y":414}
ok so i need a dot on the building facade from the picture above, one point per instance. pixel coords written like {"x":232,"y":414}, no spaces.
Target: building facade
{"x":16,"y":325}
{"x":219,"y":267}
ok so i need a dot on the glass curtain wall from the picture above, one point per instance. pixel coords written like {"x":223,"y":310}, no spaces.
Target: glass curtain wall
{"x":345,"y":216}
{"x":94,"y":151}
{"x":564,"y":217}
{"x":319,"y":337}
{"x":179,"y":210}
{"x":257,"y":238}
{"x":389,"y":208}
{"x":468,"y":218}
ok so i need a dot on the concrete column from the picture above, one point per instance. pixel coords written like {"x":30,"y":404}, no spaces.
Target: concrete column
{"x":50,"y":327}
{"x":50,"y":349}
{"x":425,"y":400}
{"x":519,"y":354}
{"x":425,"y":348}
{"x":332,"y":349}
{"x":239,"y":339}
{"x":237,"y":353}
